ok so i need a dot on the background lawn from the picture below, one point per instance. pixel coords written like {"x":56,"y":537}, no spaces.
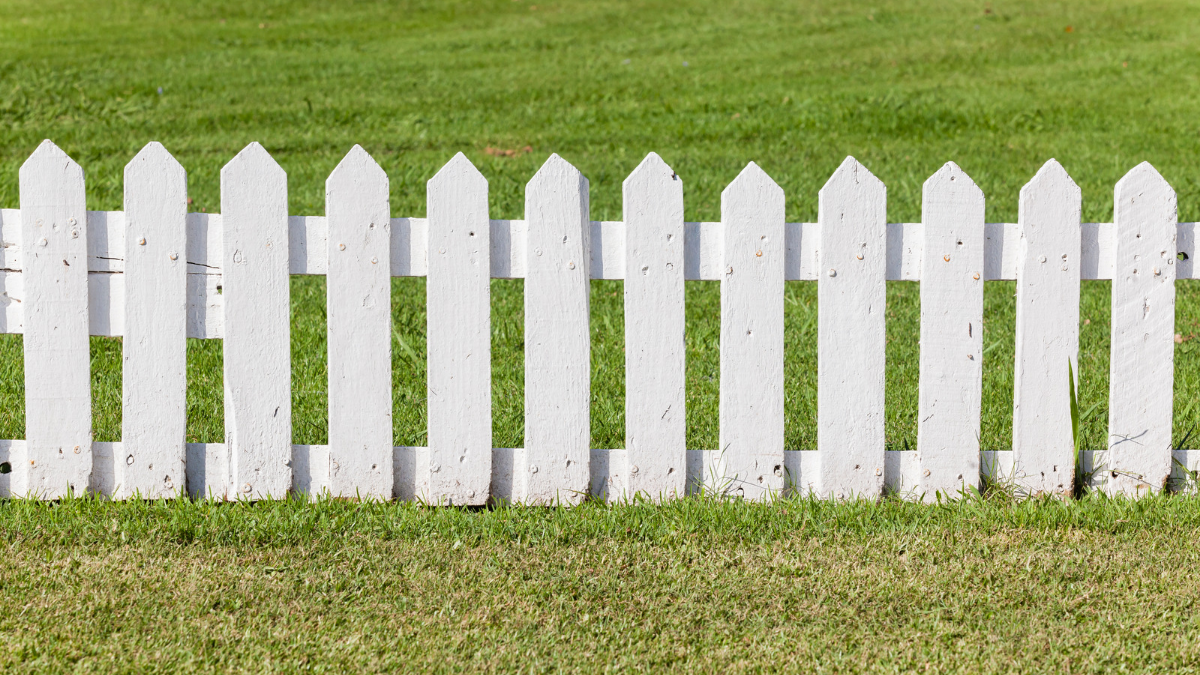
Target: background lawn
{"x":997,"y":87}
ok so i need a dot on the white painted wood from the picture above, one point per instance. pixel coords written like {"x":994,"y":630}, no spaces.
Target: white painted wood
{"x":154,"y":351}
{"x":751,"y":405}
{"x":359,"y":310}
{"x":655,"y":412}
{"x":207,"y":471}
{"x":58,"y":397}
{"x":951,"y":360}
{"x":554,"y":465}
{"x":459,"y":341}
{"x":1142,"y":366}
{"x":703,"y":256}
{"x":851,"y":337}
{"x":1047,"y":332}
{"x":258,"y":385}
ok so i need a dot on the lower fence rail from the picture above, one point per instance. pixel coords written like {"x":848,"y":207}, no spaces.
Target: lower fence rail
{"x":207,"y":469}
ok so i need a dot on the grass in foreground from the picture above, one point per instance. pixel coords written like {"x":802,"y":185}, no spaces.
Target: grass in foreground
{"x":696,"y":585}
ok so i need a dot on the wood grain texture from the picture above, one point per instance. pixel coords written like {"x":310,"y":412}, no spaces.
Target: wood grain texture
{"x":750,"y":458}
{"x":1142,"y":365}
{"x":359,"y":310}
{"x":58,"y":397}
{"x":258,"y":385}
{"x":1047,"y":332}
{"x":458,"y":307}
{"x":851,"y":337}
{"x":655,"y":413}
{"x":154,"y":351}
{"x":951,"y":357}
{"x":554,"y":465}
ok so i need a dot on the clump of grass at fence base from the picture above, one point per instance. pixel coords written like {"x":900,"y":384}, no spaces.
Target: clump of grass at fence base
{"x":979,"y":585}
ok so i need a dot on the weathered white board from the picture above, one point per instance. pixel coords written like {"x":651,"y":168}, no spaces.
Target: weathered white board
{"x":1142,"y":365}
{"x":258,"y":375}
{"x":951,"y":361}
{"x":359,"y":310}
{"x":154,"y":351}
{"x":750,"y":456}
{"x":1047,"y":332}
{"x":459,"y":313}
{"x":655,"y":413}
{"x":58,"y":397}
{"x":851,"y":337}
{"x":554,"y":465}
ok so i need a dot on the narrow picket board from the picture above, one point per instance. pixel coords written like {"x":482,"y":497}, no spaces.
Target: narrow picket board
{"x":154,"y":352}
{"x":258,"y":385}
{"x":951,"y":361}
{"x":458,"y":293}
{"x":554,"y":468}
{"x":359,"y":309}
{"x":58,"y":397}
{"x":1047,"y":332}
{"x":750,"y":454}
{"x":1141,"y":371}
{"x":851,"y":337}
{"x":655,"y":413}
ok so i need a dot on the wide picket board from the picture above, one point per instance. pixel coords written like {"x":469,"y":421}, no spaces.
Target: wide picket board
{"x":359,"y":316}
{"x":154,"y":351}
{"x":1047,"y":332}
{"x":950,"y":389}
{"x":257,"y":323}
{"x":750,"y":414}
{"x":459,"y":337}
{"x":156,"y":275}
{"x":851,"y":335}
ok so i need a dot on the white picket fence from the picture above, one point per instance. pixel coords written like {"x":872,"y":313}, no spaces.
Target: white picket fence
{"x":156,"y":274}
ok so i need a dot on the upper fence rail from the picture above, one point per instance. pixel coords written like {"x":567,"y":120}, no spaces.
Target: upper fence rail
{"x":308,"y":240}
{"x":155,"y":275}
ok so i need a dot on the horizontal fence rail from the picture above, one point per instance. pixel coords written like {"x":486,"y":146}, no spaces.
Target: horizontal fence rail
{"x":155,"y":274}
{"x":308,"y":239}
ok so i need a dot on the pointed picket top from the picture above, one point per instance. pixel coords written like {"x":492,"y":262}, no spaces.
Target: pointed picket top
{"x":48,"y":157}
{"x":553,"y":170}
{"x":951,"y":176}
{"x":752,"y":179}
{"x":651,"y":171}
{"x":1053,"y":179}
{"x":356,"y":167}
{"x":1141,"y":179}
{"x":458,"y":172}
{"x":254,"y":158}
{"x":852,"y":175}
{"x":153,"y":163}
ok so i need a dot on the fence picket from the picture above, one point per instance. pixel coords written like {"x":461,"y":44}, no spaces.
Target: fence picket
{"x":1141,"y":371}
{"x":359,"y":311}
{"x":154,"y":358}
{"x":749,"y":463}
{"x":655,"y":416}
{"x":951,"y":360}
{"x":1047,"y":331}
{"x":458,"y":292}
{"x":258,"y":385}
{"x":58,"y":396}
{"x":851,"y":337}
{"x":554,"y":466}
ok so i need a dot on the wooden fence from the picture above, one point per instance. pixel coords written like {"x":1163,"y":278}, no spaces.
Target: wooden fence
{"x":156,"y":274}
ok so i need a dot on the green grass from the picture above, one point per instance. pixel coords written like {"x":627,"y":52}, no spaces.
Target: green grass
{"x":903,"y":86}
{"x":1085,"y":586}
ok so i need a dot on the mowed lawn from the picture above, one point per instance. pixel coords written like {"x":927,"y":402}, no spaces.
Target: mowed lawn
{"x":997,"y":87}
